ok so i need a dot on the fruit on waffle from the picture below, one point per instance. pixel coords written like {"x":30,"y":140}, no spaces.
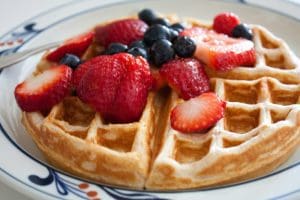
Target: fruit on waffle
{"x":148,"y":102}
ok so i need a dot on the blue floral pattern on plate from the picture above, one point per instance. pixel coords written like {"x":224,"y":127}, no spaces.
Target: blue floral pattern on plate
{"x":64,"y":187}
{"x":19,"y":37}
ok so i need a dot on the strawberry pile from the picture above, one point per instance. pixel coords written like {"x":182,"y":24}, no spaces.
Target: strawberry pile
{"x":116,"y":86}
{"x":141,"y":55}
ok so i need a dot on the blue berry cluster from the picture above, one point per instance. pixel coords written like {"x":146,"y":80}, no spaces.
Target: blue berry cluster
{"x":161,"y":42}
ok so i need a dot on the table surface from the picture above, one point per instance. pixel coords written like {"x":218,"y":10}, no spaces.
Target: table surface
{"x":34,"y":7}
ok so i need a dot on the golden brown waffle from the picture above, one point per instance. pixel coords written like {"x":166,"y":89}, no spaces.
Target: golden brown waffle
{"x":74,"y":138}
{"x":259,"y":131}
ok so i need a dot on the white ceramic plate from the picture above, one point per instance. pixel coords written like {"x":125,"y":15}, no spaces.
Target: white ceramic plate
{"x":24,"y":168}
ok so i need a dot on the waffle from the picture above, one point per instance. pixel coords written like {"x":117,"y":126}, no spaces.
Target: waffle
{"x":259,"y":131}
{"x":75,"y":139}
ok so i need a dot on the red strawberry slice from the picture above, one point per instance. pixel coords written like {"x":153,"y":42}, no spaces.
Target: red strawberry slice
{"x":198,"y":113}
{"x":84,"y":67}
{"x":220,"y":51}
{"x":76,"y":45}
{"x":225,"y":22}
{"x":117,"y":87}
{"x":42,"y":92}
{"x":123,"y":31}
{"x":132,"y":92}
{"x":99,"y":85}
{"x":186,"y":76}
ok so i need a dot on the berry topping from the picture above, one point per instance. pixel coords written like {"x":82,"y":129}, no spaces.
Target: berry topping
{"x":186,"y":76}
{"x":162,"y":21}
{"x":117,"y":87}
{"x":220,"y":51}
{"x":184,"y":46}
{"x":86,"y":66}
{"x":242,"y":31}
{"x":177,"y":26}
{"x":115,"y":47}
{"x":137,"y":51}
{"x":161,"y":51}
{"x":76,"y":45}
{"x":123,"y":31}
{"x":70,"y":60}
{"x":138,"y":43}
{"x":43,"y":91}
{"x":147,"y":15}
{"x":156,"y":32}
{"x":173,"y":34}
{"x":197,"y":114}
{"x":225,"y":22}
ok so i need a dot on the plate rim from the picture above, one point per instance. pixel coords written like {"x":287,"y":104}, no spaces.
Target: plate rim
{"x":101,"y":7}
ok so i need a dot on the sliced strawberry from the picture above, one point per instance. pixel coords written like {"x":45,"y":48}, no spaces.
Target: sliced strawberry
{"x":123,"y":31}
{"x":76,"y":45}
{"x":99,"y":85}
{"x":186,"y":76}
{"x":220,"y":51}
{"x":225,"y":22}
{"x":42,"y":92}
{"x":117,"y":87}
{"x":132,"y":92}
{"x":84,"y":67}
{"x":198,"y":113}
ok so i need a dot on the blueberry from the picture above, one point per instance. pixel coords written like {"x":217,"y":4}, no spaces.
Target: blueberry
{"x":161,"y":51}
{"x":177,"y":26}
{"x":147,"y":15}
{"x":156,"y":32}
{"x":138,"y":43}
{"x":137,"y":51}
{"x":173,"y":34}
{"x":162,"y":21}
{"x":70,"y":60}
{"x":243,"y":31}
{"x":116,"y":47}
{"x":184,"y":46}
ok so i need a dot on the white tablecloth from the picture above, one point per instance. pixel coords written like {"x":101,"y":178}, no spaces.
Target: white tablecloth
{"x":13,"y":12}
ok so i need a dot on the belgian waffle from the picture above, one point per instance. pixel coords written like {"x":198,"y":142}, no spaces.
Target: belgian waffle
{"x":258,"y":133}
